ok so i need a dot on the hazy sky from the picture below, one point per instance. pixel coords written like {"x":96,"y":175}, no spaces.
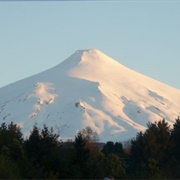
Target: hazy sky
{"x":142,"y":35}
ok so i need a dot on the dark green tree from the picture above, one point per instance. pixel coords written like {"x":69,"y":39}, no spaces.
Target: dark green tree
{"x":12,"y":153}
{"x":114,"y":167}
{"x":8,"y":168}
{"x":8,"y":133}
{"x":85,"y":147}
{"x":175,"y":150}
{"x":11,"y":141}
{"x":157,"y":145}
{"x":137,"y":160}
{"x":115,"y":148}
{"x":149,"y":151}
{"x":82,"y":154}
{"x":96,"y":166}
{"x":42,"y":150}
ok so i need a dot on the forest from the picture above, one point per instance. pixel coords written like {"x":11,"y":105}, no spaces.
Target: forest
{"x":153,"y":154}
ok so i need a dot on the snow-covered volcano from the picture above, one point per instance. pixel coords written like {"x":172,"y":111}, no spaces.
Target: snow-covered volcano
{"x":89,"y":89}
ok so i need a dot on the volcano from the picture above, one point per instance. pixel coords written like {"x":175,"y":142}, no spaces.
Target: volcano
{"x":89,"y":89}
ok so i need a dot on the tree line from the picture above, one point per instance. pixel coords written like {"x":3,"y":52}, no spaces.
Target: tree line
{"x":154,"y":153}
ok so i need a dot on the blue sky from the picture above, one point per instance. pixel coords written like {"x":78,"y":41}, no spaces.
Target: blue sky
{"x":142,"y":35}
